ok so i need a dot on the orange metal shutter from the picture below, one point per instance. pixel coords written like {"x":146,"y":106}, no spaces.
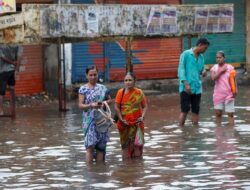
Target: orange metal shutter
{"x":160,"y":58}
{"x":30,"y":78}
{"x":153,"y":58}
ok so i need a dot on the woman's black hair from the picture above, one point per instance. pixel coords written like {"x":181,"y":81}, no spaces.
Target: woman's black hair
{"x":91,"y":67}
{"x":131,"y":74}
{"x":222,"y":53}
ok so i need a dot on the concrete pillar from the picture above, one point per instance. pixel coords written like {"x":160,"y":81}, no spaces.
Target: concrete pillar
{"x":51,"y":69}
{"x":248,"y":35}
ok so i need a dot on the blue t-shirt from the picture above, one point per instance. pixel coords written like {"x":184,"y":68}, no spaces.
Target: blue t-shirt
{"x":190,"y":69}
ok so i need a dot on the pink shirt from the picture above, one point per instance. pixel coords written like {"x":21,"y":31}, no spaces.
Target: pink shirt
{"x":222,"y":88}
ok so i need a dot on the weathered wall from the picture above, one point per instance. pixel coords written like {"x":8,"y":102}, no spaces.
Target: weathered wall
{"x":248,"y":35}
{"x":233,"y":44}
{"x":45,"y":23}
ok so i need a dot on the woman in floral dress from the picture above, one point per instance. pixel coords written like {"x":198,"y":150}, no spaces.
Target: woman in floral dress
{"x":91,"y":96}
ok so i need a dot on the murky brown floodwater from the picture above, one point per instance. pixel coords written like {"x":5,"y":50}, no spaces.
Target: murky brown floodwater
{"x":43,"y":149}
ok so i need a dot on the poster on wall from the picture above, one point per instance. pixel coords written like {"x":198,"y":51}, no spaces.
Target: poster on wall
{"x":107,"y":19}
{"x":69,"y":15}
{"x":154,"y":22}
{"x":201,"y":15}
{"x":139,"y":22}
{"x":7,"y":6}
{"x":213,"y":20}
{"x":92,"y":20}
{"x":51,"y":25}
{"x":169,"y":20}
{"x":82,"y":23}
{"x":123,"y":20}
{"x":12,"y":35}
{"x":226,"y":19}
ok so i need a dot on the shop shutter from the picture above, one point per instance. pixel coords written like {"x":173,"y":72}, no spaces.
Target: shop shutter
{"x":84,"y":55}
{"x":152,"y":58}
{"x":30,"y":78}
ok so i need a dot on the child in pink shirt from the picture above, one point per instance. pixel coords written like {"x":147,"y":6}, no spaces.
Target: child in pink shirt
{"x":223,"y":97}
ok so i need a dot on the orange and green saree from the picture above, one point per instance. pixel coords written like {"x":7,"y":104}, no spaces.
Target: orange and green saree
{"x":132,"y":103}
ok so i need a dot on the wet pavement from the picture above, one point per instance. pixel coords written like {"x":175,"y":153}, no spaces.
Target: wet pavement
{"x":43,"y":149}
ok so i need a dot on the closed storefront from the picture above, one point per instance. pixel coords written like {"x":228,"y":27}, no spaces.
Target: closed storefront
{"x":233,"y":44}
{"x":30,"y":78}
{"x":152,"y":58}
{"x":85,"y":54}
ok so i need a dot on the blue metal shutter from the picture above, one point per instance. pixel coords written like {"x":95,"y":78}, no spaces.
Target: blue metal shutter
{"x":116,"y":57}
{"x":85,"y":54}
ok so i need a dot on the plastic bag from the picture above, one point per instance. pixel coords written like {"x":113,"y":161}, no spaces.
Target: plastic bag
{"x":139,"y":137}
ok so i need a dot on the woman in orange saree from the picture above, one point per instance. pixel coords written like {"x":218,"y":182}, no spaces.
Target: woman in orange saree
{"x":131,"y":106}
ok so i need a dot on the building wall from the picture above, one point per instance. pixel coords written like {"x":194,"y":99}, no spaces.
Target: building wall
{"x":34,"y":1}
{"x":139,"y":1}
{"x":30,"y":79}
{"x":233,"y":44}
{"x":248,"y":35}
{"x":152,"y":58}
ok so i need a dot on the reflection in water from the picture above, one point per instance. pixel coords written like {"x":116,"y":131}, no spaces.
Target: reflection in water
{"x":43,"y":149}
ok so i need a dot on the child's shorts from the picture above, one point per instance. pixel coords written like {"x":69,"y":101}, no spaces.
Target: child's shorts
{"x":227,"y":106}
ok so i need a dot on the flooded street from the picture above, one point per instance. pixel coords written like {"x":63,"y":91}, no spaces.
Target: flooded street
{"x":43,"y":149}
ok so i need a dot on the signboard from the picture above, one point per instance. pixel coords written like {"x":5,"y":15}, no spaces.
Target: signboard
{"x":7,"y":6}
{"x":11,"y":20}
{"x":46,"y":23}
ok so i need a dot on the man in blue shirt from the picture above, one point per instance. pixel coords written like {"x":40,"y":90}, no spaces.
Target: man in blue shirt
{"x":191,"y":68}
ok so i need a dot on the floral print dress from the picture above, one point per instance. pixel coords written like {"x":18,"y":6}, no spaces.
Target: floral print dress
{"x":93,"y":139}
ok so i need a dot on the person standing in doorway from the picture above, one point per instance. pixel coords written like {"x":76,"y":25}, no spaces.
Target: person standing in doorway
{"x":224,"y":91}
{"x":190,"y":70}
{"x":10,"y":56}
